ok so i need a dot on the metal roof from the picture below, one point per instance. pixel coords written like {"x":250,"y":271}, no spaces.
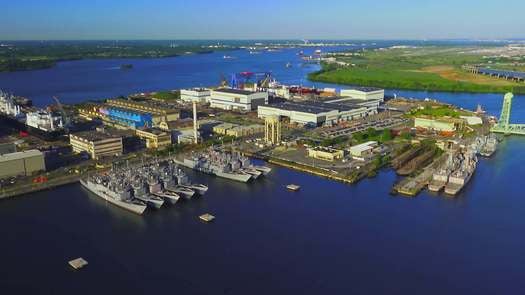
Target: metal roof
{"x":20,"y":155}
{"x":312,"y":107}
{"x":234,"y":91}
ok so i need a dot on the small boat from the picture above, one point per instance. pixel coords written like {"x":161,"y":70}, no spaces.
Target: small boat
{"x":126,"y":66}
{"x":264,"y":169}
{"x":293,"y":187}
{"x":228,"y":57}
{"x":288,"y":65}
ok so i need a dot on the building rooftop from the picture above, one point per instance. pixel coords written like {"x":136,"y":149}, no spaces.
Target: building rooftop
{"x":94,"y":135}
{"x":364,"y":89}
{"x":20,"y":155}
{"x":312,"y":107}
{"x":234,"y":91}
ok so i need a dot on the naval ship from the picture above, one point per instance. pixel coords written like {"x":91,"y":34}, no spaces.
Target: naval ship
{"x":117,"y":193}
{"x":461,"y":176}
{"x":489,"y":147}
{"x":440,"y":178}
{"x":231,"y":166}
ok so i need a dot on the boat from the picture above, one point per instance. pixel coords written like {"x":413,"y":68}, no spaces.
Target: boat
{"x":252,"y":171}
{"x":216,"y":163}
{"x":439,"y":180}
{"x":461,"y":176}
{"x":200,"y":189}
{"x":141,"y":192}
{"x":170,"y":197}
{"x":99,"y":186}
{"x":489,"y":147}
{"x":264,"y":169}
{"x":228,"y":57}
{"x":182,"y":191}
{"x":288,"y":65}
{"x":293,"y":187}
{"x":126,"y":66}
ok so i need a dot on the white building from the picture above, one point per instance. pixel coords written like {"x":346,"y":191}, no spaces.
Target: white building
{"x":364,"y":93}
{"x":363,"y":151}
{"x":313,"y":112}
{"x":200,"y":95}
{"x":235,"y":99}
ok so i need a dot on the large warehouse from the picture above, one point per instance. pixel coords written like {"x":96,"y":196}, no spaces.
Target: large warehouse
{"x":235,"y":99}
{"x":22,"y":163}
{"x":200,"y":95}
{"x":364,"y":93}
{"x":313,"y":112}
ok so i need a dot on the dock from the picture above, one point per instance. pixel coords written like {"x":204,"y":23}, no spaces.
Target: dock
{"x":207,"y":217}
{"x":78,"y":263}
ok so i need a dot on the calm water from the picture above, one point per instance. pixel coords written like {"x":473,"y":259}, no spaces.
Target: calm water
{"x":328,"y":238}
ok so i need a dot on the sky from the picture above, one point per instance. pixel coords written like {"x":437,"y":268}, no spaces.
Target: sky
{"x":266,"y":19}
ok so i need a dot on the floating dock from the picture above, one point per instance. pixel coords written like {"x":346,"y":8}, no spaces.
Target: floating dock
{"x":78,"y":263}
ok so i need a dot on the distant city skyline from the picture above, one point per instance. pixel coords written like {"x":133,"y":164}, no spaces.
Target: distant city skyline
{"x":271,"y":19}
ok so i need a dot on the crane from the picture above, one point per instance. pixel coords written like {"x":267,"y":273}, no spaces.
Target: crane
{"x":65,"y":118}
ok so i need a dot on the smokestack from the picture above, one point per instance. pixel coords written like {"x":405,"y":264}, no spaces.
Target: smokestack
{"x":196,"y":140}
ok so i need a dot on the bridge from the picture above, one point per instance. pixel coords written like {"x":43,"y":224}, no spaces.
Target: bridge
{"x":504,"y":126}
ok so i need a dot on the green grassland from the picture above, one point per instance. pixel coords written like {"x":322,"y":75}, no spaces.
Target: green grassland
{"x":36,"y":55}
{"x":423,"y":68}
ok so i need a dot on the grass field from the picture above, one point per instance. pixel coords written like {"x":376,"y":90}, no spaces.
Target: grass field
{"x":424,"y":68}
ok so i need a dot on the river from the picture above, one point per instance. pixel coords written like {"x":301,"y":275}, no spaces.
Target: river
{"x":328,"y":238}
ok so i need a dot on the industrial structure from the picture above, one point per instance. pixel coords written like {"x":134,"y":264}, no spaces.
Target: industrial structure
{"x":364,"y":93}
{"x":504,"y":125}
{"x":236,"y":99}
{"x":96,"y":144}
{"x":128,"y":118}
{"x":154,"y":138}
{"x":272,"y":128}
{"x":313,"y":112}
{"x":507,"y":75}
{"x":200,"y":95}
{"x":325,"y":153}
{"x":24,"y":163}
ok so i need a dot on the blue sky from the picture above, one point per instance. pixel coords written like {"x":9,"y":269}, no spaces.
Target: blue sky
{"x":267,"y":19}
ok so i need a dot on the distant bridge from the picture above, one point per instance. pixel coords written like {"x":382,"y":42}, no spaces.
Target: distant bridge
{"x":508,"y":75}
{"x":504,"y":126}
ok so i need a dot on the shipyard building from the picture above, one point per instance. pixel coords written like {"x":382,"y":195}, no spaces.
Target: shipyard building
{"x":200,"y":95}
{"x":96,"y":144}
{"x":154,"y":138}
{"x":22,"y":163}
{"x":364,"y":93}
{"x":235,"y":99}
{"x":313,"y":112}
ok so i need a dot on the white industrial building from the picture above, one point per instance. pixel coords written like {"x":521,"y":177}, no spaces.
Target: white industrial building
{"x":313,"y":112}
{"x":235,"y":99}
{"x":24,"y":163}
{"x":364,"y":93}
{"x":200,"y":95}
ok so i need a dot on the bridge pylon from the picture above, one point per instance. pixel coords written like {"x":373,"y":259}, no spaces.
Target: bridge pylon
{"x":504,"y":126}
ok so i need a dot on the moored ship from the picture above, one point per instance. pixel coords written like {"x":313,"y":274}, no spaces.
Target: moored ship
{"x":226,"y":165}
{"x":102,"y":187}
{"x":461,"y":176}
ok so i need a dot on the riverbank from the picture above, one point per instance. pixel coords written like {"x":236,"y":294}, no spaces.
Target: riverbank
{"x":419,"y":68}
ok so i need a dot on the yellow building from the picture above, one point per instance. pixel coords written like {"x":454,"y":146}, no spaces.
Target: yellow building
{"x":96,"y":144}
{"x":272,"y":127}
{"x":223,"y":128}
{"x":241,"y":131}
{"x":154,"y":138}
{"x":325,"y":153}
